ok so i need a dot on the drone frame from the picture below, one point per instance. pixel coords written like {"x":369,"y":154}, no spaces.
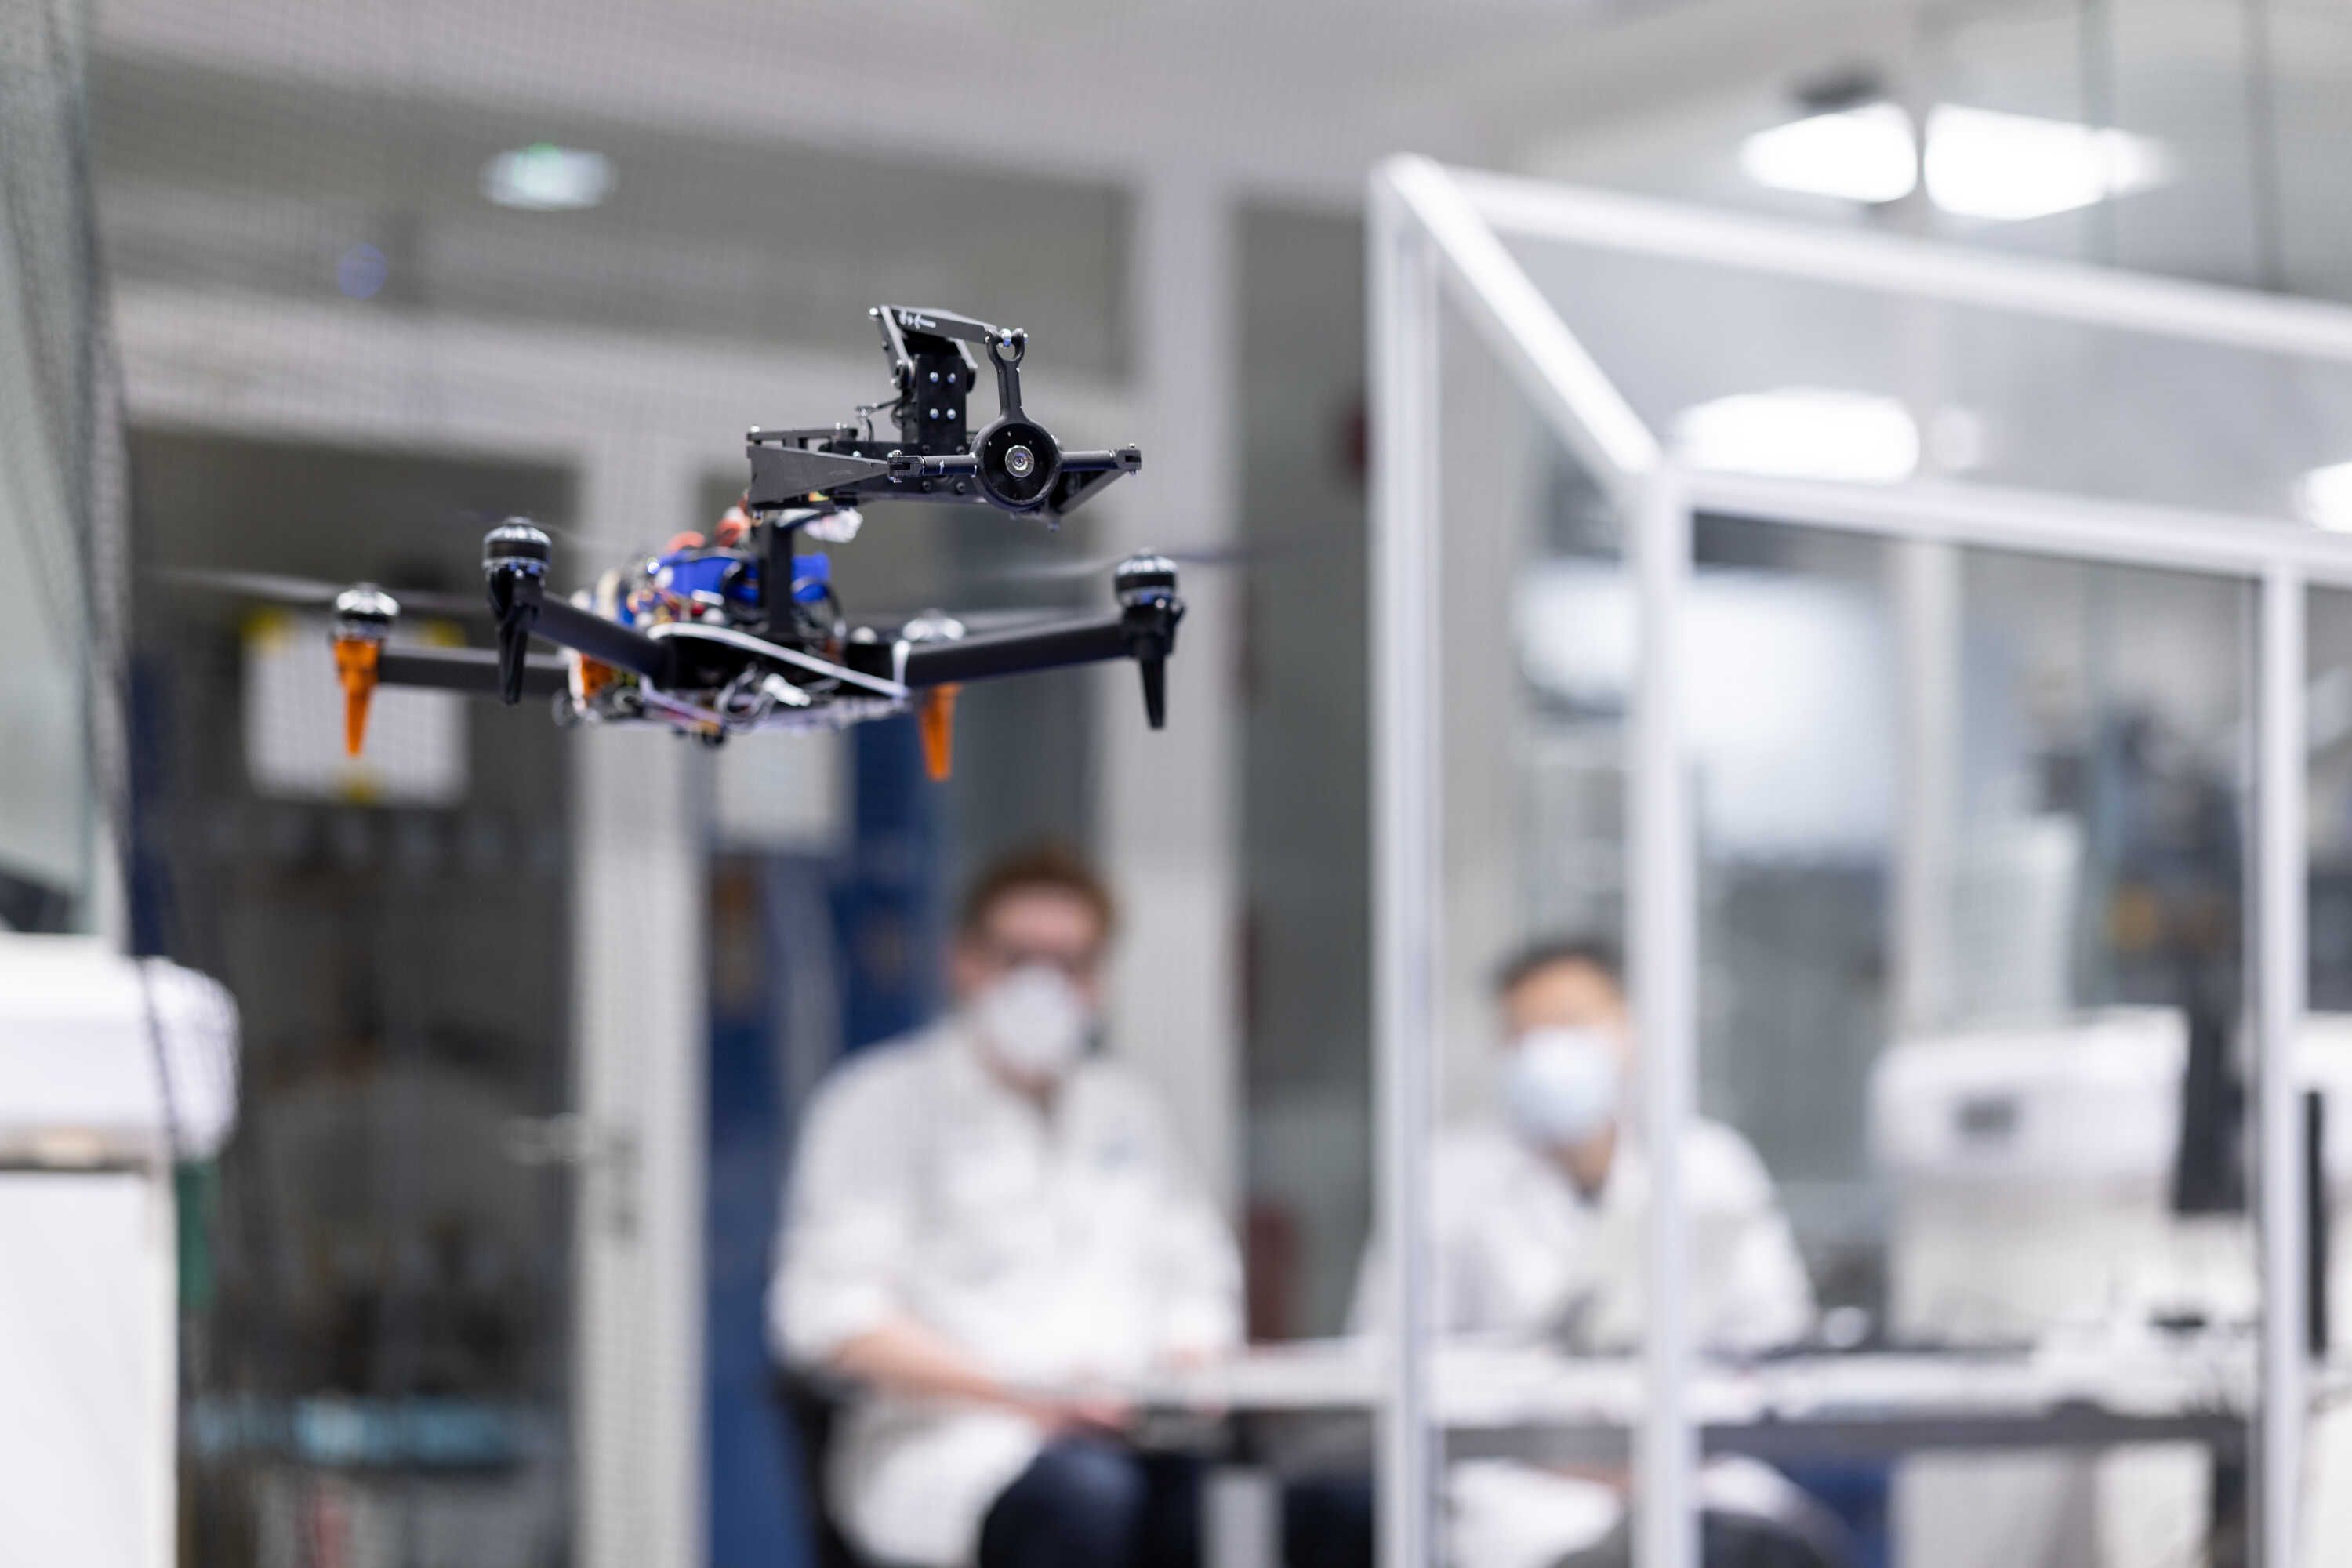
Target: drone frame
{"x":762,"y":673}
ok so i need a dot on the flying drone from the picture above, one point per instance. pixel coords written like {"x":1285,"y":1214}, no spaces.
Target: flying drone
{"x":741,"y":631}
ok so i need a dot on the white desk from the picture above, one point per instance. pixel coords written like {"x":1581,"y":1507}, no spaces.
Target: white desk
{"x":2091,"y":1394}
{"x":1504,"y":1402}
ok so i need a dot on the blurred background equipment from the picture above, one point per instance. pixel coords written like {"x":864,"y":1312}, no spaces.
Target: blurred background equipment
{"x":114,"y":1074}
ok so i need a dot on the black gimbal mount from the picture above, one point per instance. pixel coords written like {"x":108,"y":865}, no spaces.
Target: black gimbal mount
{"x":1014,"y":463}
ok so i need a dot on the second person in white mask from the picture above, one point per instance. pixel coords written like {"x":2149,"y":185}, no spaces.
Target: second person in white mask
{"x":988,"y":1229}
{"x":1539,"y":1212}
{"x":1542,"y":1210}
{"x":1541,"y":1217}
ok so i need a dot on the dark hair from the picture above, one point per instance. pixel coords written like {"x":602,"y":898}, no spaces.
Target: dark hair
{"x":1048,"y":868}
{"x":1592,"y":952}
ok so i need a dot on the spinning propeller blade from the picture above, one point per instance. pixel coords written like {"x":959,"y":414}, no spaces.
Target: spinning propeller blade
{"x":888,"y":623}
{"x":1209,"y":556}
{"x":311,"y":593}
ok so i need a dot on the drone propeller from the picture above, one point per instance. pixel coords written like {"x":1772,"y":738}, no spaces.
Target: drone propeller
{"x":888,"y":623}
{"x":479,"y":523}
{"x":1227,"y":555}
{"x":312,"y":594}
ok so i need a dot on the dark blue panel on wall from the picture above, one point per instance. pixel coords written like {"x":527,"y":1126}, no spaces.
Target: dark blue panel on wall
{"x":777,"y":971}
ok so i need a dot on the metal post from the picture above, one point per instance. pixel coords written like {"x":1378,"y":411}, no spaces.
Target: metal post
{"x":1927,"y":580}
{"x":1666,"y":985}
{"x":2279,"y":952}
{"x":1164,"y":802}
{"x":1403,"y":333}
{"x":639,"y":1039}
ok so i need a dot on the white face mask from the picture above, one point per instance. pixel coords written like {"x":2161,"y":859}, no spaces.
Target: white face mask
{"x":1562,"y":1087}
{"x":1034,"y":1021}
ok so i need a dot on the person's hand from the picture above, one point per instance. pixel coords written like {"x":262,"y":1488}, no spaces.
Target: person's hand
{"x":1192,"y":1357}
{"x":1186,"y":1362}
{"x":1095,"y":1412}
{"x":1078,"y":1415}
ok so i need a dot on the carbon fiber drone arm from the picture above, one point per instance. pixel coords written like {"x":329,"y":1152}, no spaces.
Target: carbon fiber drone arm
{"x":474,"y":671}
{"x":1144,"y":630}
{"x":514,"y":569}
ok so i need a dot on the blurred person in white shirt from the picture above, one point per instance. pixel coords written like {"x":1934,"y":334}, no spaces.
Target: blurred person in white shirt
{"x":1539,"y":1212}
{"x":987,"y":1229}
{"x":1541,"y":1208}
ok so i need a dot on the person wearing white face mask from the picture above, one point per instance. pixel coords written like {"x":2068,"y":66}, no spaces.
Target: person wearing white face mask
{"x":1538,"y":1214}
{"x":1541,"y":1212}
{"x":984,"y":1219}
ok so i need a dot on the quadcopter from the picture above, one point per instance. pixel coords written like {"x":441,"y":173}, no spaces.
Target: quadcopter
{"x":740,"y":631}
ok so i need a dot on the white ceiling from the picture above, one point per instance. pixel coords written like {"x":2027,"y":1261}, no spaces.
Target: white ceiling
{"x":1281,"y":94}
{"x":832,"y":139}
{"x":2176,"y":70}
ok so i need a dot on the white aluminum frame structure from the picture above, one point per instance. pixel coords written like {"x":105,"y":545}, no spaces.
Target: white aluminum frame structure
{"x":1436,"y":234}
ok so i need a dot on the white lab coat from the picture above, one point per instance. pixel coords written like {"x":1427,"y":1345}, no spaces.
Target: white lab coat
{"x":1054,"y":1248}
{"x":1521,"y":1252}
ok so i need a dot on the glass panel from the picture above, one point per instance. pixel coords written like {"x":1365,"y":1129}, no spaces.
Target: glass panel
{"x":1749,"y":372}
{"x":1971,"y":960}
{"x":1979,"y":1011}
{"x":1304,"y":795}
{"x":54,"y":446}
{"x":1535,"y":1190}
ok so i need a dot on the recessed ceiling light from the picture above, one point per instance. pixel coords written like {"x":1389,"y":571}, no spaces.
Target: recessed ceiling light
{"x":2326,"y":496}
{"x":1982,"y":163}
{"x":1863,"y":154}
{"x":543,"y":177}
{"x":1802,"y":432}
{"x":1979,"y":163}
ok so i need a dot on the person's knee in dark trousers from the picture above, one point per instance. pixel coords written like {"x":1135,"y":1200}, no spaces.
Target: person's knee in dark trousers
{"x":1083,"y":1502}
{"x":1327,"y":1521}
{"x":1171,"y":1512}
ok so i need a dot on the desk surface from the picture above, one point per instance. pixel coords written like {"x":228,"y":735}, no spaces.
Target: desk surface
{"x":1496,"y":1399}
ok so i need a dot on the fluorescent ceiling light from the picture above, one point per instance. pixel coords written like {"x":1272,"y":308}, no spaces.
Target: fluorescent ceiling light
{"x":2326,"y":495}
{"x":1862,"y":154}
{"x":544,"y":177}
{"x":1979,"y":163}
{"x":1802,"y":432}
{"x":1982,"y":164}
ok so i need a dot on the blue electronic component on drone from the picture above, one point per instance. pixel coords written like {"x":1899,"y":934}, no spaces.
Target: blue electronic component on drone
{"x":708,"y":577}
{"x":812,"y":577}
